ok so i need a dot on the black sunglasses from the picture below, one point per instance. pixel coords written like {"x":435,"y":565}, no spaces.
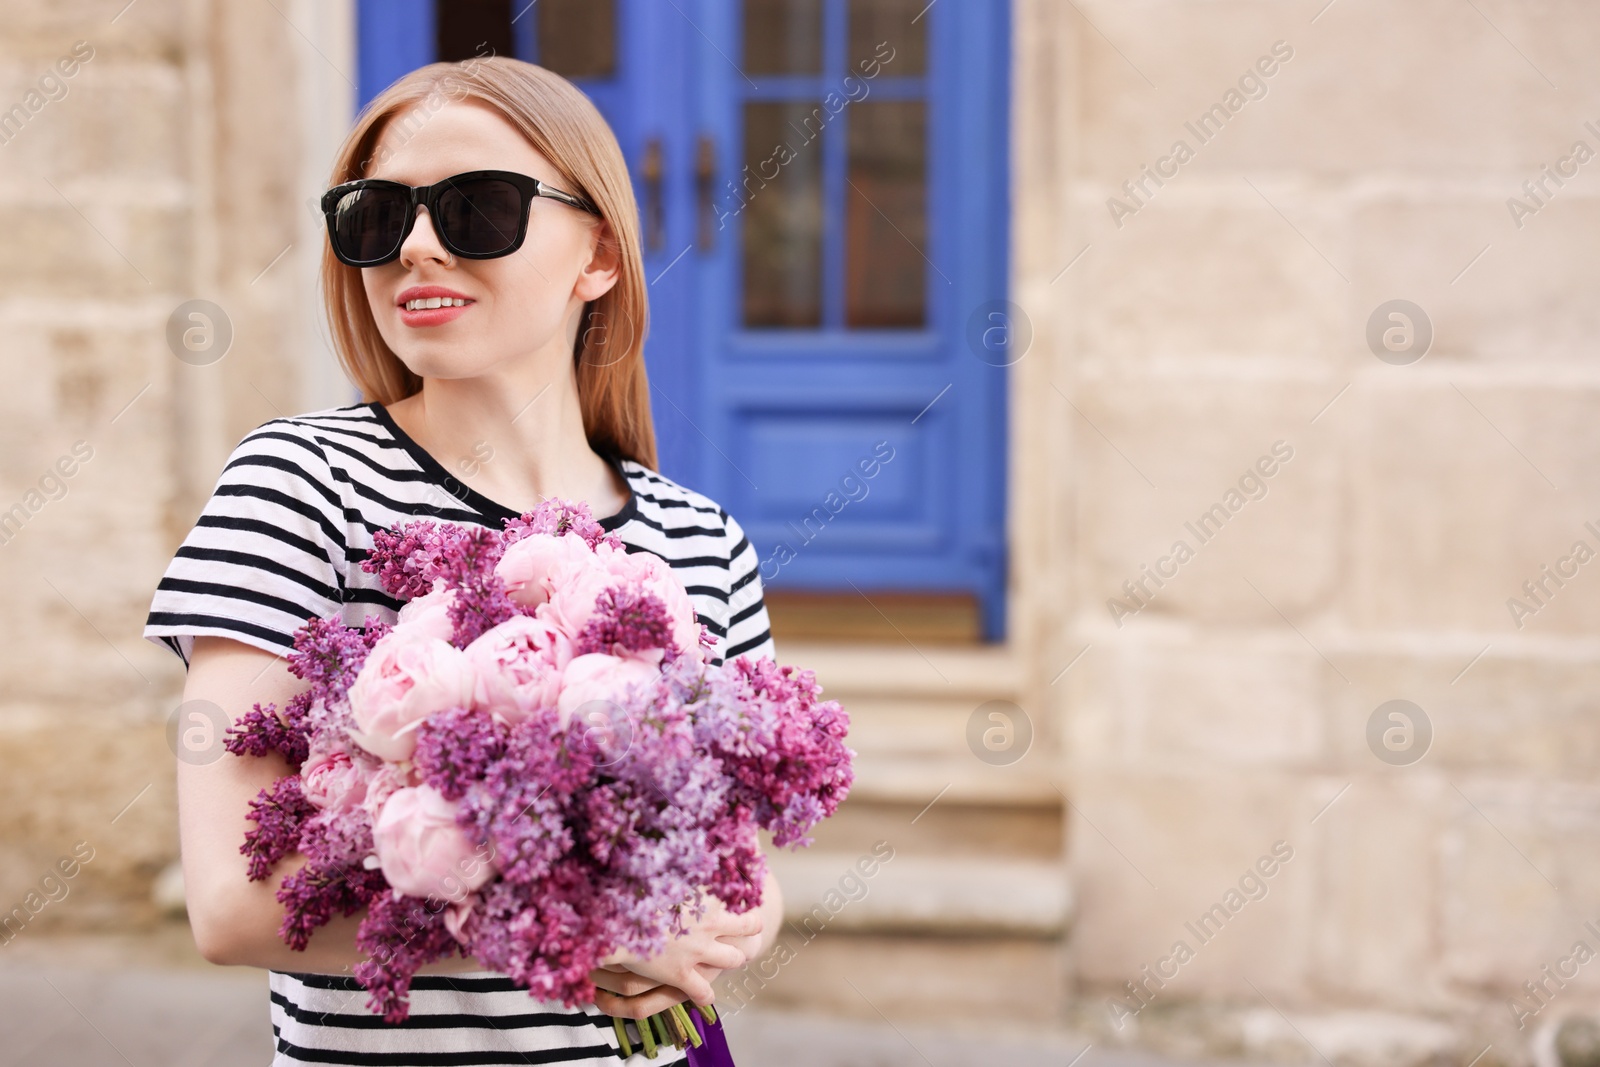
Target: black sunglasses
{"x":480,"y":214}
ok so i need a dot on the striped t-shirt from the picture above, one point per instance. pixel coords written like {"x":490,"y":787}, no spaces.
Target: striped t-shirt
{"x":280,"y":541}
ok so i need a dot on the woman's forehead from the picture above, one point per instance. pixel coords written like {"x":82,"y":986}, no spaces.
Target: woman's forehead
{"x":432,"y":140}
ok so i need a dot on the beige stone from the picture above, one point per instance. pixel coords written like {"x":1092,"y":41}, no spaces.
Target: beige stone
{"x":1379,"y":871}
{"x":1505,"y":711}
{"x":1462,"y":492}
{"x":1516,"y":855}
{"x":1429,"y":87}
{"x":1158,"y":456}
{"x":1496,"y":294}
{"x":1211,"y":702}
{"x":1153,"y":851}
{"x":845,"y":891}
{"x":1211,"y":269}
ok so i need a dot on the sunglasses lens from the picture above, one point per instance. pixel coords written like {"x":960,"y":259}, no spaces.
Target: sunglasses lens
{"x":368,"y":224}
{"x":481,"y":217}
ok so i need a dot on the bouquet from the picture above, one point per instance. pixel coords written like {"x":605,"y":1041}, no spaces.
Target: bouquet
{"x":535,"y":765}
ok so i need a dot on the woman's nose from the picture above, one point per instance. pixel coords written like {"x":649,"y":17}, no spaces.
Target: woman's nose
{"x":422,"y":243}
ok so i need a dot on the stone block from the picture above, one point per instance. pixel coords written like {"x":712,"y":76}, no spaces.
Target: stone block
{"x":1198,"y":444}
{"x":1512,"y":711}
{"x":1519,"y":858}
{"x":1152,"y":854}
{"x":1495,"y":293}
{"x":1458,"y":495}
{"x":125,"y":813}
{"x":1427,"y":88}
{"x":946,"y":827}
{"x":104,"y":250}
{"x":922,"y":894}
{"x":1211,"y":270}
{"x":1379,"y":883}
{"x":1214,"y":703}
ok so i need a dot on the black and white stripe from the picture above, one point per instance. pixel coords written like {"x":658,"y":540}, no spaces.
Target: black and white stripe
{"x":280,"y":541}
{"x":459,"y":1019}
{"x":299,"y":499}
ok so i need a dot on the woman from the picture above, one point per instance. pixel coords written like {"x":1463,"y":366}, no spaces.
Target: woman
{"x":495,"y":325}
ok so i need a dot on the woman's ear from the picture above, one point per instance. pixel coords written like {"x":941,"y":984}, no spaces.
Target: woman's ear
{"x":603,"y":268}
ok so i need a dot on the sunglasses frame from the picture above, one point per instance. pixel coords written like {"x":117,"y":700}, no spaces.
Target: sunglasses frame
{"x":428,"y":196}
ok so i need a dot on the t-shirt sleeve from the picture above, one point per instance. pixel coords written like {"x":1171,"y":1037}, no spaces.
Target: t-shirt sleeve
{"x":266,"y":554}
{"x":749,"y":632}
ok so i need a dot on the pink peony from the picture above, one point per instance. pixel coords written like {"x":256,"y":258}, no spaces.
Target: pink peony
{"x":331,"y":780}
{"x":579,"y":583}
{"x":598,"y":676}
{"x":518,"y":665}
{"x":527,"y":565}
{"x":430,"y":613}
{"x":422,"y":850}
{"x":456,"y":914}
{"x":384,"y":783}
{"x":407,"y":677}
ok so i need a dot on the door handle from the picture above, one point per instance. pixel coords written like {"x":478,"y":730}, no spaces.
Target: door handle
{"x":653,"y":222}
{"x":705,"y":175}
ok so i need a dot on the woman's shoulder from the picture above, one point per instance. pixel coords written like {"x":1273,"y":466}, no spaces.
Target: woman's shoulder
{"x":342,"y":422}
{"x":310,"y":446}
{"x":721,"y":567}
{"x":667,"y":501}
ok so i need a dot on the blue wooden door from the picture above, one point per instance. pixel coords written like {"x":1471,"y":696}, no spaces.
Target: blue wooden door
{"x":823,"y":187}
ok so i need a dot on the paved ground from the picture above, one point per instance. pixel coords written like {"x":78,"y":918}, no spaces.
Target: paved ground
{"x":152,"y":1002}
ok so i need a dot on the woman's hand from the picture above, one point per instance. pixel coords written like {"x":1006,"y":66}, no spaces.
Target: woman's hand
{"x":625,"y":995}
{"x":718,"y":941}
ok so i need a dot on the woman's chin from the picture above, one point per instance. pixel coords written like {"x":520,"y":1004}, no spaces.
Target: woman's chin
{"x":430,"y":361}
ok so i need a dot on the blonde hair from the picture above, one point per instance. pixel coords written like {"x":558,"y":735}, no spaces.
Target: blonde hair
{"x":564,"y":127}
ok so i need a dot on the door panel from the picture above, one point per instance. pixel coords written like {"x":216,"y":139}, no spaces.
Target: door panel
{"x":823,"y":189}
{"x":834,"y":315}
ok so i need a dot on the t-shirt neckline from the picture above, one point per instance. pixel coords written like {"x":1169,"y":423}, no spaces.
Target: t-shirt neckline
{"x":476,"y":500}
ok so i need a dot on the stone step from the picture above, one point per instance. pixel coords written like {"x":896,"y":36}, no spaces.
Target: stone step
{"x":971,"y":913}
{"x":919,"y":723}
{"x":975,"y":833}
{"x":956,"y":778}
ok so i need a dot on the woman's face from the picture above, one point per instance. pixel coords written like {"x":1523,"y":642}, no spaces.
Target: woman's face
{"x":521,"y":309}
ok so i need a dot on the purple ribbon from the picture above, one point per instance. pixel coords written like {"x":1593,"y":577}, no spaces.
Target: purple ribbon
{"x":714,"y":1052}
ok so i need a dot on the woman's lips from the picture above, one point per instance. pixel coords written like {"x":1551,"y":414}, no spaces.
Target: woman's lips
{"x":432,"y":316}
{"x":451,"y":305}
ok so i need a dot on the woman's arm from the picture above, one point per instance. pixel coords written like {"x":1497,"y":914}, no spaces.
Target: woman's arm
{"x":235,"y":921}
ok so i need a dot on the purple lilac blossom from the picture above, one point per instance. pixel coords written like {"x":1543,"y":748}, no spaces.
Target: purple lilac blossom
{"x":626,"y":620}
{"x":279,"y":812}
{"x":556,"y":517}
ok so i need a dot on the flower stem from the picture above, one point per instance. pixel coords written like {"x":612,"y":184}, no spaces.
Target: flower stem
{"x":669,"y":1019}
{"x":622,"y":1038}
{"x":687,"y":1023}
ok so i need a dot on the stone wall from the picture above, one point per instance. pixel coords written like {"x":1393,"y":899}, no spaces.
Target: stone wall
{"x":1187,"y":327}
{"x":161,"y":170}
